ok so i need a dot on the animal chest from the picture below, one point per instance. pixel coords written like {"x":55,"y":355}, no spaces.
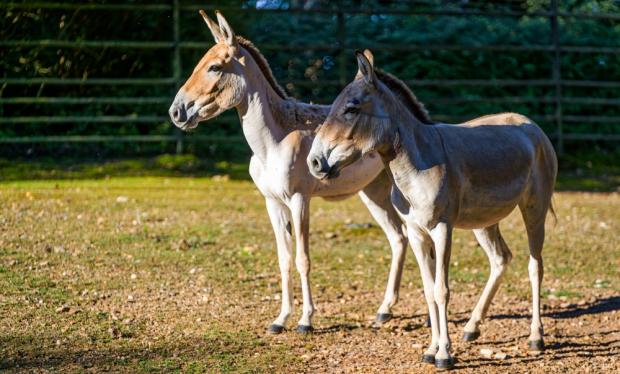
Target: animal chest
{"x":272,"y":182}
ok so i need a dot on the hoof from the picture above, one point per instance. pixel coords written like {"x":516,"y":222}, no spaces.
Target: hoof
{"x":444,"y":363}
{"x":383,"y":318}
{"x":304,"y":329}
{"x":536,"y":345}
{"x":428,"y":359}
{"x":428,"y":321}
{"x":275,"y":329}
{"x":471,"y":336}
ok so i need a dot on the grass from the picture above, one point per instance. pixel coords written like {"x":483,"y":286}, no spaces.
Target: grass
{"x":579,"y":171}
{"x":179,"y":274}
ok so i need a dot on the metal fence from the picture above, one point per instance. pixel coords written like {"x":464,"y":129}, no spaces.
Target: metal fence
{"x":554,"y":48}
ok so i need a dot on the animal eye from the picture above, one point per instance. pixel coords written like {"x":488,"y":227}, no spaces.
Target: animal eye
{"x":351,"y":110}
{"x":215,"y":67}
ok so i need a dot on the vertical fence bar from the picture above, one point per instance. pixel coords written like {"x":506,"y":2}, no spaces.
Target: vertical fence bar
{"x":342,"y":63}
{"x":557,"y":75}
{"x":176,"y":64}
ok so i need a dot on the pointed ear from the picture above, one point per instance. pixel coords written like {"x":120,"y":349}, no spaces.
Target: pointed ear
{"x":365,"y":68}
{"x":370,"y":57}
{"x":227,"y":32}
{"x":215,"y":29}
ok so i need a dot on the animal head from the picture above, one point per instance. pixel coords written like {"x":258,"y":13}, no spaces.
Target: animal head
{"x":217,"y":82}
{"x":358,"y":123}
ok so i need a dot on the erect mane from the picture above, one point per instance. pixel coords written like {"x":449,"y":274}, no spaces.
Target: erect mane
{"x":262,"y":65}
{"x":400,"y":89}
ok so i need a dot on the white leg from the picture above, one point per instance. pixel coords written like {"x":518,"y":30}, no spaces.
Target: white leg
{"x":534,"y":211}
{"x":422,"y":247}
{"x":442,"y":239}
{"x":300,"y":210}
{"x":536,"y":237}
{"x":499,"y":256}
{"x":376,"y":196}
{"x":281,"y":222}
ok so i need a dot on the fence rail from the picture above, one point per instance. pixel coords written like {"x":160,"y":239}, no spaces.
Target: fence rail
{"x":555,"y":82}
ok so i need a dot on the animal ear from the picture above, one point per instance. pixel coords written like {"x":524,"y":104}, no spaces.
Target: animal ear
{"x":227,"y":32}
{"x":370,"y":57}
{"x":214,"y":27}
{"x":365,"y":67}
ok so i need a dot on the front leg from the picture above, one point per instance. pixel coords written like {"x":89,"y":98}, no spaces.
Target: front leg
{"x":422,"y":246}
{"x":376,"y":196}
{"x":300,"y":210}
{"x":442,"y":239}
{"x":280,"y":217}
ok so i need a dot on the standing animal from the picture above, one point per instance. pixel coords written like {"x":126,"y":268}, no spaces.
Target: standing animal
{"x":279,"y":130}
{"x":470,"y":175}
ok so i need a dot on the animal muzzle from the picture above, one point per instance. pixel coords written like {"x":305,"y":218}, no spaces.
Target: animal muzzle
{"x":320,"y":168}
{"x":182,"y":111}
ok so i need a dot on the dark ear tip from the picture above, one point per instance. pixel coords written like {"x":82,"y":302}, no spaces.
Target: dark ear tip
{"x":358,"y":52}
{"x":217,"y":11}
{"x":202,"y":12}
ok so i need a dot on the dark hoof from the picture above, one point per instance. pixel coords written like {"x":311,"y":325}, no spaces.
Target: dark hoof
{"x":428,"y":321}
{"x":383,"y":318}
{"x":428,"y":359}
{"x":444,"y":363}
{"x":303,"y":329}
{"x":536,"y":345}
{"x":471,"y":336}
{"x":275,"y":329}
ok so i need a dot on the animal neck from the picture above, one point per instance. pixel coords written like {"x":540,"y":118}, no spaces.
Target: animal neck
{"x":412,"y":145}
{"x":258,"y":112}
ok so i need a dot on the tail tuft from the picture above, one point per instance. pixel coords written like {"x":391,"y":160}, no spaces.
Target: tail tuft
{"x":555,"y":217}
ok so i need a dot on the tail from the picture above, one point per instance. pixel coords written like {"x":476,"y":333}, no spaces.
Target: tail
{"x":552,"y":210}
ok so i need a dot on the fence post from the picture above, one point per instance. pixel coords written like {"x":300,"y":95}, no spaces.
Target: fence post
{"x":342,"y":63}
{"x":176,"y":65}
{"x":557,"y":75}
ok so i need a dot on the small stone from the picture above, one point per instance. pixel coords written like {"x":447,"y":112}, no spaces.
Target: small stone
{"x":500,"y":356}
{"x":330,"y":235}
{"x":134,"y":276}
{"x":130,"y":298}
{"x":182,"y":245}
{"x":417,"y":346}
{"x":486,"y":352}
{"x":122,"y":199}
{"x":63,"y":309}
{"x":114,"y":332}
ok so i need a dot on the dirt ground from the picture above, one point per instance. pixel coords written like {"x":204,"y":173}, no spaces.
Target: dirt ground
{"x":180,"y":275}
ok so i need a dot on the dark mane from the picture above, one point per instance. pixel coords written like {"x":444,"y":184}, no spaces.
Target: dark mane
{"x":263,"y":66}
{"x":400,"y":89}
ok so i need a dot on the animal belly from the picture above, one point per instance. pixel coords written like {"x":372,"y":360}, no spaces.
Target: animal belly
{"x":352,"y":179}
{"x":482,"y":216}
{"x":482,"y":210}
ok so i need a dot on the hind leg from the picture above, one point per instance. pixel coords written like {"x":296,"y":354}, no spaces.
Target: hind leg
{"x":376,"y":196}
{"x":499,"y":256}
{"x":534,"y":219}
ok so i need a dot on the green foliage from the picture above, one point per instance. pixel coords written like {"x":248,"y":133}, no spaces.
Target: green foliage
{"x":304,"y":71}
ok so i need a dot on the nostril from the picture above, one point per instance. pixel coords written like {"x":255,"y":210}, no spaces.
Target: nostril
{"x":316,"y":164}
{"x":176,"y":114}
